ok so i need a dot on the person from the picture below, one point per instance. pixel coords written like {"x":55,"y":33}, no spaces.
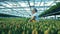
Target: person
{"x":34,"y":16}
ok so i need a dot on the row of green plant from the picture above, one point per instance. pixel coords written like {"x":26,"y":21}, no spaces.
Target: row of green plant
{"x":51,"y":9}
{"x":21,"y":26}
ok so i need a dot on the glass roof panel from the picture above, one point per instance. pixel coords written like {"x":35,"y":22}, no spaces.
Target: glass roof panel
{"x":24,"y":7}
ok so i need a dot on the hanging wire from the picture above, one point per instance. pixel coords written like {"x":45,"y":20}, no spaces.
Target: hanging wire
{"x":34,"y":3}
{"x":29,"y":6}
{"x":44,"y":5}
{"x":40,"y":2}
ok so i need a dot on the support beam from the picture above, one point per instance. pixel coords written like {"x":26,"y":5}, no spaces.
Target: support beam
{"x":55,"y":17}
{"x":40,"y":3}
{"x":29,"y":4}
{"x":34,"y":3}
{"x":25,"y":7}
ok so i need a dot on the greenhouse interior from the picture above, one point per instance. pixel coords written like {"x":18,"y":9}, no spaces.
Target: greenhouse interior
{"x":29,"y":16}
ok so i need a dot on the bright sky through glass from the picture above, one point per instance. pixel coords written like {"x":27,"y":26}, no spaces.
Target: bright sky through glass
{"x":22,"y":8}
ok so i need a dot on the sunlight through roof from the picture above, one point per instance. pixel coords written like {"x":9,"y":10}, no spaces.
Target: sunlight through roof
{"x":24,"y":7}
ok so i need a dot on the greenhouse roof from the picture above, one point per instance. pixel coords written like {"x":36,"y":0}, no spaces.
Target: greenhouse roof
{"x":23,"y":7}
